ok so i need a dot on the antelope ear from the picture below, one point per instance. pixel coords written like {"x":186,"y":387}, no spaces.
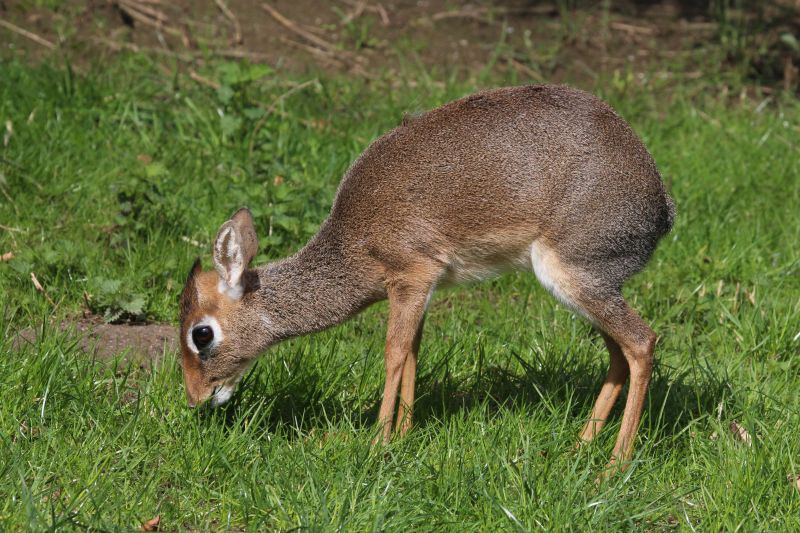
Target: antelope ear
{"x":234,"y":248}
{"x":189,"y":295}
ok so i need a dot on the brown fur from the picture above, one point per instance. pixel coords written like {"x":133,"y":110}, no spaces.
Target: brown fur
{"x":547,"y":177}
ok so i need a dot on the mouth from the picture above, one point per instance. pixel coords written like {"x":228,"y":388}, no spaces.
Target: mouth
{"x":222,"y":393}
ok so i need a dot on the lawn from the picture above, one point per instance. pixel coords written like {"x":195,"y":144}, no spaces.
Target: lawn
{"x":114,"y":179}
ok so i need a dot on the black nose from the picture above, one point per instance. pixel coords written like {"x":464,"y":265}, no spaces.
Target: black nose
{"x":202,"y":336}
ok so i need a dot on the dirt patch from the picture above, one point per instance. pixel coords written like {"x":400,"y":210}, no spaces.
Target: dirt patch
{"x":142,"y":343}
{"x":539,"y":40}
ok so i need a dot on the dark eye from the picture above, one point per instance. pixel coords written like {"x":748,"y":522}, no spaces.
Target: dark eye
{"x":202,"y":336}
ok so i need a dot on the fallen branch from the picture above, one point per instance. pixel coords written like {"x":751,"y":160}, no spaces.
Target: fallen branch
{"x":292,"y":26}
{"x":25,"y":33}
{"x":364,"y":6}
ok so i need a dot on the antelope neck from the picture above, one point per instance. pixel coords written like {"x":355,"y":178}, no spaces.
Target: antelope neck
{"x":317,"y":288}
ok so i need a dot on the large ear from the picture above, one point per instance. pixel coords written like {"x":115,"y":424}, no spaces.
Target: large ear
{"x":189,"y":294}
{"x":235,"y":246}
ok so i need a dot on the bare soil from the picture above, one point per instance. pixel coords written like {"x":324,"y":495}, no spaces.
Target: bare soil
{"x":140,"y":343}
{"x":541,"y":40}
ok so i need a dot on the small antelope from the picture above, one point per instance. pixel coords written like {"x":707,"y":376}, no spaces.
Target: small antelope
{"x":543,"y":178}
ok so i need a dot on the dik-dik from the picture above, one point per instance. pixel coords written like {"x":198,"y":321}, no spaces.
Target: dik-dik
{"x":543,"y":178}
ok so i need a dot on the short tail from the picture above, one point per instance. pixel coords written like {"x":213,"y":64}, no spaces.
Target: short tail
{"x":670,"y":210}
{"x":670,"y":205}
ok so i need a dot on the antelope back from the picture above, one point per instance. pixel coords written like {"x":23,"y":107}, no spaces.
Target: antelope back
{"x":478,"y":180}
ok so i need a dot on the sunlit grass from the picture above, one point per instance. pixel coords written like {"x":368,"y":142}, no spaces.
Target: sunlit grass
{"x":109,"y":180}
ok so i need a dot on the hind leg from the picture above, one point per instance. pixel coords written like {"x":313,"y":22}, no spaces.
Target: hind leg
{"x":629,"y":339}
{"x":612,"y":386}
{"x":405,"y":407}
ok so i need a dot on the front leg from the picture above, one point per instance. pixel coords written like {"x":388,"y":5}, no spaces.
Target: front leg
{"x":407,"y":304}
{"x":405,"y":409}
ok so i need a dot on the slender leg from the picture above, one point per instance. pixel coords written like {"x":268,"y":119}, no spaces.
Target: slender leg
{"x":406,"y":407}
{"x":615,"y":379}
{"x":627,"y":333}
{"x":590,"y":289}
{"x":406,"y":310}
{"x":638,"y":353}
{"x":630,"y":343}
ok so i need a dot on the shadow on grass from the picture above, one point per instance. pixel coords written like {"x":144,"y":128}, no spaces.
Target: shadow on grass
{"x":568,"y":382}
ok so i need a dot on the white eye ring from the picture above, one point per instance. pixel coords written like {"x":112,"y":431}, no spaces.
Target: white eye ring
{"x":211,"y":322}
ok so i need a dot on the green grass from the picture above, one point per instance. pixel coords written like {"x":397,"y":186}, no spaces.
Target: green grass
{"x":107,"y":176}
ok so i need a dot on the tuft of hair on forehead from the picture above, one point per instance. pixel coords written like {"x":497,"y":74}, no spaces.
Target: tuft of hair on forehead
{"x":190,"y":293}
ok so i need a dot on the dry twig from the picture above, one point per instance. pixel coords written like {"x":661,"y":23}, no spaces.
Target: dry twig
{"x":9,"y":228}
{"x":383,"y":14}
{"x":25,"y":33}
{"x":357,"y":12}
{"x":237,"y":28}
{"x":205,"y":81}
{"x":242,"y":54}
{"x":41,"y":289}
{"x":323,"y":48}
{"x":8,"y":256}
{"x":631,"y":28}
{"x":152,"y":17}
{"x":374,"y":8}
{"x":292,"y":26}
{"x":134,"y":5}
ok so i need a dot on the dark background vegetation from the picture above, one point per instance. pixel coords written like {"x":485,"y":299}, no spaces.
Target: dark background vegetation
{"x":564,"y":40}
